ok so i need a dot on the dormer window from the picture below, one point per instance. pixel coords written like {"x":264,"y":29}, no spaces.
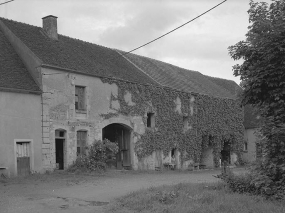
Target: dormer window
{"x":150,"y":120}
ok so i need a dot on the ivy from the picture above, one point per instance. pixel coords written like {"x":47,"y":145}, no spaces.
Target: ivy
{"x":211,"y":120}
{"x":109,"y":115}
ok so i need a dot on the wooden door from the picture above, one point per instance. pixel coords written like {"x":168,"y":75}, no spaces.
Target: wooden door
{"x":126,"y":148}
{"x":119,"y":135}
{"x":23,"y":158}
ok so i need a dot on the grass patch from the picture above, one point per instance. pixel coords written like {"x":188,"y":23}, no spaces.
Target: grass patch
{"x":194,"y":198}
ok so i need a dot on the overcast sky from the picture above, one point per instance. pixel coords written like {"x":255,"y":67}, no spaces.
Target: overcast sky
{"x":126,"y":24}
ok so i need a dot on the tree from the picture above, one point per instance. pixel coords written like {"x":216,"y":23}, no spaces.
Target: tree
{"x":263,"y":80}
{"x":263,"y":70}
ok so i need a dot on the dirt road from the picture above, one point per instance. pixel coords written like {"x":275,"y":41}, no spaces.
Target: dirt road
{"x":62,"y":192}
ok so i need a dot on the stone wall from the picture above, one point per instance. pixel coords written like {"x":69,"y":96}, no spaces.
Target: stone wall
{"x":59,"y":114}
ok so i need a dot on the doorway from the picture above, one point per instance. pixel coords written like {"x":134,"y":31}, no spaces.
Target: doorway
{"x":59,"y":148}
{"x":226,"y":153}
{"x":121,"y":135}
{"x":23,"y":158}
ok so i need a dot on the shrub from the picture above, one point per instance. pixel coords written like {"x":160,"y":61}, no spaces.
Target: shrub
{"x":256,"y":182}
{"x":239,"y":183}
{"x":96,"y":156}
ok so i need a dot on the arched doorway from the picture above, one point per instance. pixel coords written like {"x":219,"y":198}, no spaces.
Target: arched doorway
{"x":122,"y":135}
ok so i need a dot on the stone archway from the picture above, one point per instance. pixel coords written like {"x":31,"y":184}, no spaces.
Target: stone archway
{"x":120,"y":134}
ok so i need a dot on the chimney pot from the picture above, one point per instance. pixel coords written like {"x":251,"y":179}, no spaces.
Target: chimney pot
{"x":50,"y":26}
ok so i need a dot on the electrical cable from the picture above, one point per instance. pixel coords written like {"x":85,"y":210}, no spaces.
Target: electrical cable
{"x":174,"y":29}
{"x":126,"y":53}
{"x":6,"y":2}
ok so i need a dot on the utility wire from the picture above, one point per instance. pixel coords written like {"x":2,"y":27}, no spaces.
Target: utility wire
{"x":6,"y":2}
{"x":174,"y":29}
{"x":126,"y":53}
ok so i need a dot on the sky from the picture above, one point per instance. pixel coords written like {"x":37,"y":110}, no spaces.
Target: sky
{"x":201,"y":45}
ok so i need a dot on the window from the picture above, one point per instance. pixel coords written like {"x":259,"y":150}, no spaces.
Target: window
{"x":59,"y":133}
{"x":150,"y":120}
{"x":81,"y":142}
{"x":185,"y":123}
{"x":245,"y":146}
{"x":79,"y":98}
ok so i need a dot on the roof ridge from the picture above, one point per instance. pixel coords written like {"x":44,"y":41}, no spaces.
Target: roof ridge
{"x":87,"y":57}
{"x":66,"y":36}
{"x":115,"y":49}
{"x":219,"y":78}
{"x":17,"y":22}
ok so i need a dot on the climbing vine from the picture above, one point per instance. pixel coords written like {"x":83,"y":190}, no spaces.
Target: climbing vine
{"x":210,"y":120}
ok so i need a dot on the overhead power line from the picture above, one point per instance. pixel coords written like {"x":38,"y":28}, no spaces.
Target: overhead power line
{"x":6,"y":2}
{"x":174,"y":29}
{"x":123,"y":54}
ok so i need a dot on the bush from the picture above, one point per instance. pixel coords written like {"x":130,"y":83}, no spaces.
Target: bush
{"x":96,"y":157}
{"x":256,"y":182}
{"x":239,"y":183}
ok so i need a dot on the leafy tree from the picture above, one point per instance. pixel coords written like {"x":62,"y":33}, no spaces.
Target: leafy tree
{"x":263,"y":52}
{"x":263,"y":79}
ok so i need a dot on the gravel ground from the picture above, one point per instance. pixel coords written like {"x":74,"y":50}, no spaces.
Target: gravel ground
{"x":74,"y":193}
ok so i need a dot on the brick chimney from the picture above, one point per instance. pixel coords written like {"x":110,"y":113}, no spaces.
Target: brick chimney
{"x":50,"y":26}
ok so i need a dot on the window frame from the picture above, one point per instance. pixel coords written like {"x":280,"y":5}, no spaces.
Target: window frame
{"x":81,"y":145}
{"x":80,"y":98}
{"x":150,"y":122}
{"x":245,"y":146}
{"x":185,"y":123}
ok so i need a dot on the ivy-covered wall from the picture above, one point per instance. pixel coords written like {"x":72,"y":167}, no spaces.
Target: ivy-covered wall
{"x":187,"y":122}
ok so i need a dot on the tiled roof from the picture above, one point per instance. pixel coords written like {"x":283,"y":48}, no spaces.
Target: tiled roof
{"x":229,"y":85}
{"x":13,"y":74}
{"x":97,"y":60}
{"x":76,"y":55}
{"x":179,"y":78}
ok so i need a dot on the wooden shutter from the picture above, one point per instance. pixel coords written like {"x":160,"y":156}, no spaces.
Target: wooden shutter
{"x":81,"y":101}
{"x":126,"y":148}
{"x":81,"y":142}
{"x":79,"y":98}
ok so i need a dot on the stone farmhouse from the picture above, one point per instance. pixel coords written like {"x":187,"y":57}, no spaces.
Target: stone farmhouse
{"x":59,"y":94}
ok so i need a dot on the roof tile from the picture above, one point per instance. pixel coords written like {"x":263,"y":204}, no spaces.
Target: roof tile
{"x":13,"y":74}
{"x":77,"y":55}
{"x":101,"y":61}
{"x":180,"y":78}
